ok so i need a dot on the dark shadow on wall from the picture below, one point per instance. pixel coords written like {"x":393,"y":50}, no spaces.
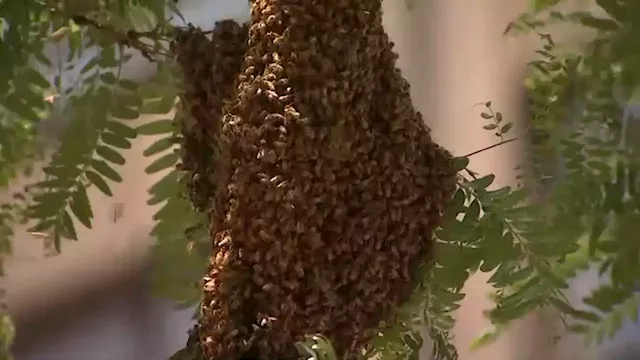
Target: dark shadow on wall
{"x":120,"y":321}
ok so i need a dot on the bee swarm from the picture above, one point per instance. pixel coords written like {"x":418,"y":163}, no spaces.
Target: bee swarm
{"x":327,"y":187}
{"x":209,"y":68}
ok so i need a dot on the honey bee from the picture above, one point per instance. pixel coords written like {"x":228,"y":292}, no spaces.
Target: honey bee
{"x":330,"y":184}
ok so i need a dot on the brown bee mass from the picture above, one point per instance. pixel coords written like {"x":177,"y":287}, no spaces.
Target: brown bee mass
{"x":210,"y":67}
{"x":328,"y":185}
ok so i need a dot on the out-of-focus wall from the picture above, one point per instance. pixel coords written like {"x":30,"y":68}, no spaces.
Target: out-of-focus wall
{"x":455,"y":57}
{"x":93,"y":301}
{"x":121,"y":321}
{"x":109,"y":250}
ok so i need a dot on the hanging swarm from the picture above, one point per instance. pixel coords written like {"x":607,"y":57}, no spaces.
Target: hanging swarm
{"x":210,"y":67}
{"x":331,"y":185}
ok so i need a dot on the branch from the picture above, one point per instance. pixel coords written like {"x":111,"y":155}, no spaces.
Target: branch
{"x":491,"y":147}
{"x":129,"y":39}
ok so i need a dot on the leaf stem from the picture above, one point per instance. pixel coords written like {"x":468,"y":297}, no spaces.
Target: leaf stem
{"x":491,"y":147}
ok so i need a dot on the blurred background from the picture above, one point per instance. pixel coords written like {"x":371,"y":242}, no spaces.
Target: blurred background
{"x":93,"y":301}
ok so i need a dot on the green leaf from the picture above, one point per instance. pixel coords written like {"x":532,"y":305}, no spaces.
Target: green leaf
{"x":110,"y":155}
{"x":43,"y":226}
{"x":483,"y":182}
{"x":124,"y":112}
{"x":47,"y":204}
{"x":115,"y":140}
{"x":614,"y":323}
{"x":131,"y":86}
{"x":108,"y":78}
{"x":162,"y":163}
{"x":579,"y":328}
{"x":164,"y":126}
{"x":81,"y":207}
{"x":21,"y":109}
{"x":107,"y":171}
{"x":597,"y":228}
{"x":486,"y":116}
{"x":514,"y":198}
{"x":120,"y":129}
{"x":141,"y":19}
{"x":108,"y":56}
{"x":487,"y":337}
{"x":633,"y":307}
{"x":562,"y":306}
{"x":166,"y":187}
{"x":58,"y":183}
{"x":473,"y":212}
{"x":615,"y":9}
{"x":505,"y":129}
{"x":490,"y":127}
{"x":99,"y":182}
{"x":598,"y":23}
{"x":158,"y":146}
{"x":456,"y":205}
{"x":586,"y":316}
{"x":411,"y":342}
{"x":159,"y":106}
{"x":34,"y":77}
{"x":67,"y":223}
{"x":132,"y":101}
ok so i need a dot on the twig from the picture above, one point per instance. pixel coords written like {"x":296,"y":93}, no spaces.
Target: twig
{"x":471,"y":173}
{"x":128,"y":39}
{"x":491,"y":147}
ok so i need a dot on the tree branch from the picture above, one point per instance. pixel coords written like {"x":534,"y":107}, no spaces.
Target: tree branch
{"x":491,"y":147}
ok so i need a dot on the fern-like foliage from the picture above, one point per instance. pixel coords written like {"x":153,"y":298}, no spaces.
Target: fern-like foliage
{"x":581,"y":179}
{"x":575,"y":207}
{"x":181,"y":232}
{"x":598,"y":159}
{"x":89,"y":148}
{"x":86,"y":85}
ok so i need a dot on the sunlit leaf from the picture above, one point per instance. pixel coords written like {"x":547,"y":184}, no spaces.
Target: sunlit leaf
{"x":99,"y":182}
{"x":164,"y":126}
{"x":115,"y":140}
{"x":162,"y":163}
{"x":141,"y":19}
{"x":68,"y":226}
{"x":121,"y":130}
{"x":81,"y":207}
{"x":107,"y":171}
{"x":159,"y":146}
{"x":483,"y":182}
{"x":110,"y":155}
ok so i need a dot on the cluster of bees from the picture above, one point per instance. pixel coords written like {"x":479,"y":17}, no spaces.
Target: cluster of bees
{"x":210,"y":66}
{"x":327,"y":186}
